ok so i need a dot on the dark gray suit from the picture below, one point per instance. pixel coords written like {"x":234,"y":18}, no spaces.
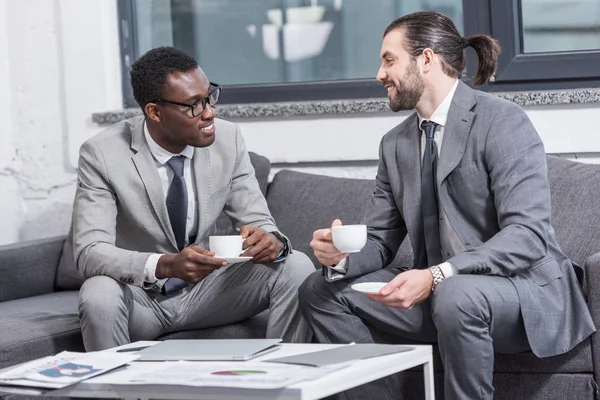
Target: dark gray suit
{"x":493,"y":186}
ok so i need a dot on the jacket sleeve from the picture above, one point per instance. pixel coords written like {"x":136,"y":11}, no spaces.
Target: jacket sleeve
{"x":94,"y":224}
{"x":245,"y":203}
{"x":386,"y":226}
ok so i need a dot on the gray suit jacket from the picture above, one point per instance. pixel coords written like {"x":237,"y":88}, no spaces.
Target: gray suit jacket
{"x":493,"y":186}
{"x":120,"y":216}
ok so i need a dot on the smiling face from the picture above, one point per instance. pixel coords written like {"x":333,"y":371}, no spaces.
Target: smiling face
{"x":172,"y":126}
{"x":399,"y":73}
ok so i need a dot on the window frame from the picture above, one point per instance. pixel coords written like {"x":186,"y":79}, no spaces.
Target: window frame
{"x":517,"y":71}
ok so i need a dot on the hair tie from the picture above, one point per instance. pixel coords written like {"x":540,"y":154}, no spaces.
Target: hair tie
{"x":465,"y":43}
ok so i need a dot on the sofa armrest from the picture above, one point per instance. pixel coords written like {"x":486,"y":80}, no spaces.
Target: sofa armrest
{"x":28,"y":268}
{"x":592,"y":274}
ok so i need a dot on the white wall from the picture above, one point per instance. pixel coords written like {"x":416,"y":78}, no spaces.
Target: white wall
{"x":348,"y":146}
{"x":59,"y":62}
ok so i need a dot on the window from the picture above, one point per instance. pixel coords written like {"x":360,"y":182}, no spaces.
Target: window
{"x":560,"y":25}
{"x":547,"y":44}
{"x":329,"y":49}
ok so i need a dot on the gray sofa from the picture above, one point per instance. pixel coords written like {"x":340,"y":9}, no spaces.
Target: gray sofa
{"x":38,"y":282}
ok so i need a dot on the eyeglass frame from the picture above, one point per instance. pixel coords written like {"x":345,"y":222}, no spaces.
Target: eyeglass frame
{"x":206,"y":100}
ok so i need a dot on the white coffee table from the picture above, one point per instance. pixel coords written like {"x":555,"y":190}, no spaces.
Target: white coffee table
{"x":358,"y":373}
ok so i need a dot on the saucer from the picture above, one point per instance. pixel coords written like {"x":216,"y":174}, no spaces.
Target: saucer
{"x":233,"y":260}
{"x":368,"y":287}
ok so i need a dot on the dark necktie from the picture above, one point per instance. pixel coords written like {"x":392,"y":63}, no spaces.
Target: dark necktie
{"x":177,"y":204}
{"x":429,"y":198}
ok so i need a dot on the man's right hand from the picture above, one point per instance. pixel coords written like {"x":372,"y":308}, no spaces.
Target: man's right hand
{"x":322,"y":244}
{"x":192,"y":264}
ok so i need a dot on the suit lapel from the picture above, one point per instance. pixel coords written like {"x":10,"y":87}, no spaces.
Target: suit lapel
{"x":146,"y":167}
{"x":456,"y":132}
{"x":408,"y":153}
{"x":201,"y":166}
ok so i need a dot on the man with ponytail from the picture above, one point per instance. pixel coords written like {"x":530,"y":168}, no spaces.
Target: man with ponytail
{"x":465,"y":178}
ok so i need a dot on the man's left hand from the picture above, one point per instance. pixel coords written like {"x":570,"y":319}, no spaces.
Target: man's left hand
{"x":406,"y":290}
{"x":263,"y":246}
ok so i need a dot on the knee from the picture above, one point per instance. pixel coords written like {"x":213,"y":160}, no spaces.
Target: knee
{"x":455,"y":302}
{"x":100,"y":293}
{"x":296,"y":267}
{"x":310,"y":292}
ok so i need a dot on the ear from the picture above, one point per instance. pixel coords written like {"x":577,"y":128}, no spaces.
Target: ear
{"x":428,"y":59}
{"x":153,"y":112}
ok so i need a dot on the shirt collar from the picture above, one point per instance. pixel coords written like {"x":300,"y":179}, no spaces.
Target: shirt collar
{"x":161,"y":155}
{"x":440,"y":115}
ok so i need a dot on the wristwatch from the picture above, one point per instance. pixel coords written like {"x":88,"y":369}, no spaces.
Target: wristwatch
{"x":438,"y":276}
{"x":281,"y":238}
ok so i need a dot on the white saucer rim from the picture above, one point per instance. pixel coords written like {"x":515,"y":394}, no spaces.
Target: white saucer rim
{"x":245,"y":258}
{"x":356,"y":287}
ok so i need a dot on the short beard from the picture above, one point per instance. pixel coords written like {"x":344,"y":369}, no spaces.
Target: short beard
{"x":409,"y":94}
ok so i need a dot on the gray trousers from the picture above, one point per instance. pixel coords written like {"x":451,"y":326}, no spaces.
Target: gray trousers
{"x":469,"y":316}
{"x":113,"y":313}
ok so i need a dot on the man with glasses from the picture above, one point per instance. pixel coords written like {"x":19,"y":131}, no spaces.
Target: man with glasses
{"x":149,"y":192}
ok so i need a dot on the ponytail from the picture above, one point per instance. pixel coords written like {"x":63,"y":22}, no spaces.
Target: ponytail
{"x":487,"y":50}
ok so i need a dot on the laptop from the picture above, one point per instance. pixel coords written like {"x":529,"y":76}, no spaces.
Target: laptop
{"x":209,"y":349}
{"x":342,"y":354}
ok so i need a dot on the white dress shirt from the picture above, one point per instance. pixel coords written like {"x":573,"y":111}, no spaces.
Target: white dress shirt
{"x":450,"y":243}
{"x":166,"y":174}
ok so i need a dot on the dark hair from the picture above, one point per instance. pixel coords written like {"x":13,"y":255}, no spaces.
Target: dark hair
{"x":149,"y":73}
{"x":430,"y":29}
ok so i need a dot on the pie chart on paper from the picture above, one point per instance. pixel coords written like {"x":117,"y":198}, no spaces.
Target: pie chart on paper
{"x":239,"y":372}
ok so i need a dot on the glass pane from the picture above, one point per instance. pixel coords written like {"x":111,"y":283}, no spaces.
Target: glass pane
{"x":240,"y":41}
{"x":560,"y":25}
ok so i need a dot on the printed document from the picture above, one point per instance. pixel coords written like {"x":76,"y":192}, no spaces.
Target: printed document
{"x":250,"y":375}
{"x":63,"y":369}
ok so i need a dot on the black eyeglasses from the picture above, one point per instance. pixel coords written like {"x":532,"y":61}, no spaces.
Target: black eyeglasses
{"x":198,"y":107}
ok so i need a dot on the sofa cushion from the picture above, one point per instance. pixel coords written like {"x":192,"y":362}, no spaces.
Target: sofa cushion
{"x":575,"y":191}
{"x":302,"y":203}
{"x":67,"y":275}
{"x":575,"y":361}
{"x":578,"y":360}
{"x":511,"y":386}
{"x":38,"y":326}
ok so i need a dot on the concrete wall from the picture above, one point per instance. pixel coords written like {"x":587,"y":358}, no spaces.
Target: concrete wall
{"x":59,"y":62}
{"x":348,"y":146}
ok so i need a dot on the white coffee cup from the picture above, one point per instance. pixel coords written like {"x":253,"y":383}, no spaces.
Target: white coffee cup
{"x":349,"y":238}
{"x":226,"y":246}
